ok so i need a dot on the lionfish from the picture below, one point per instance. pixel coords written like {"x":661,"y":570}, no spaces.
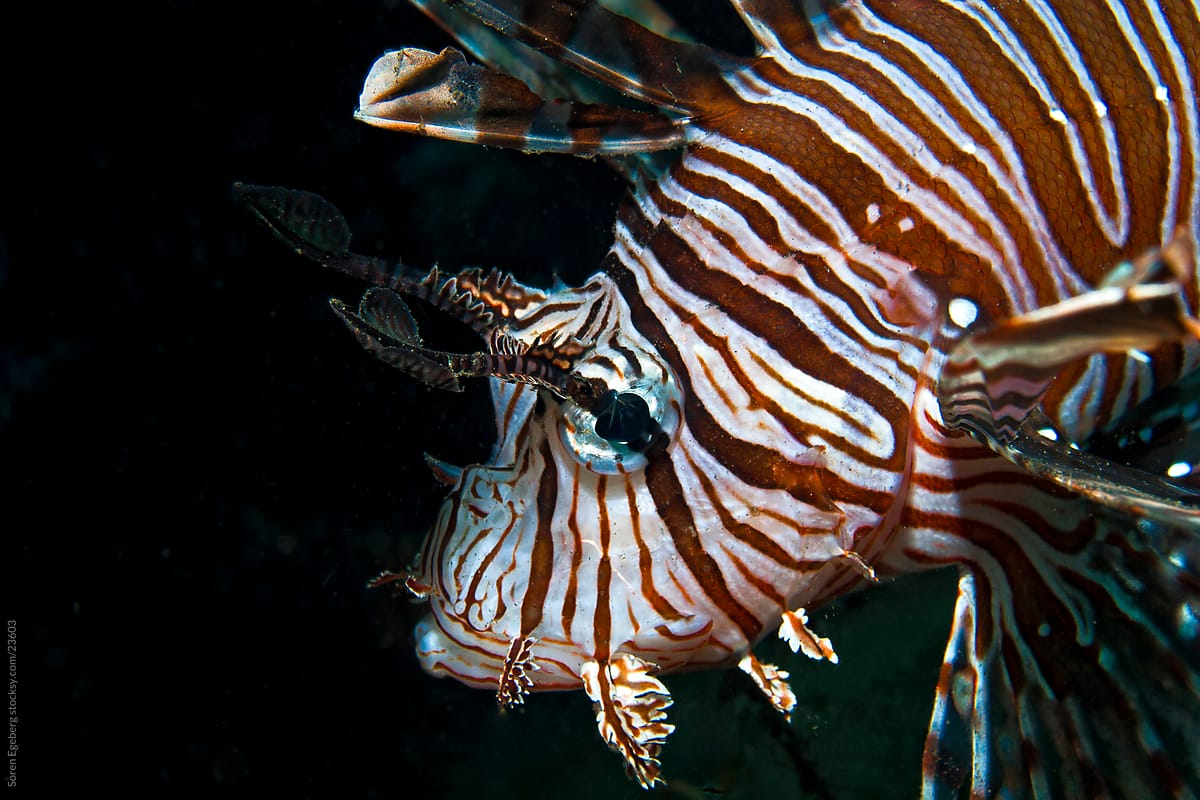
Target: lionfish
{"x":902,"y":290}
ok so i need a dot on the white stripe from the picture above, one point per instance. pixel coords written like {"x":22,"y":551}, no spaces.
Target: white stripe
{"x":1007,"y":268}
{"x":1121,"y":16}
{"x":998,"y":30}
{"x":1190,"y":123}
{"x":880,"y":366}
{"x":798,"y":392}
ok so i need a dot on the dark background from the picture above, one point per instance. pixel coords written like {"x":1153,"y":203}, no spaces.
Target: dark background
{"x":200,"y":468}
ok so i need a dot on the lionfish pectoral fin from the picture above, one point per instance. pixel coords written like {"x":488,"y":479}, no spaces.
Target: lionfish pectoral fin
{"x":778,"y":26}
{"x":793,"y":629}
{"x":1081,"y":673}
{"x":441,"y":95}
{"x":1106,"y":482}
{"x":993,"y":381}
{"x":772,"y":682}
{"x":614,"y":49}
{"x":542,"y":74}
{"x":948,"y":748}
{"x":631,"y":712}
{"x":515,"y":681}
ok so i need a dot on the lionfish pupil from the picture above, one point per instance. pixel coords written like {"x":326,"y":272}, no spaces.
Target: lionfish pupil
{"x":624,"y":417}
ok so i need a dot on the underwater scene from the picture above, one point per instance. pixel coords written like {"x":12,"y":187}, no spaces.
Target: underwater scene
{"x":609,"y":399}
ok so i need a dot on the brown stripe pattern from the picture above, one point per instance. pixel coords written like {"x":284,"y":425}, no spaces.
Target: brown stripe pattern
{"x":882,"y":180}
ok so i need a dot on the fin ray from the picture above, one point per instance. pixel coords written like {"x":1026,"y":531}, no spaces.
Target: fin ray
{"x":614,"y":50}
{"x":440,"y":95}
{"x":1072,"y":675}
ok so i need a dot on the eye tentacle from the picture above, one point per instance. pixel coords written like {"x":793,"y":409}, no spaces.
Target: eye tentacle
{"x":486,"y":302}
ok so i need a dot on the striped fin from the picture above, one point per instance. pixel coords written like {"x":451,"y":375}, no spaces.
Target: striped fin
{"x":440,"y":94}
{"x":1160,"y":435}
{"x":542,"y":74}
{"x":613,"y":49}
{"x":993,"y":381}
{"x":1073,"y":680}
{"x":545,"y":76}
{"x":1109,"y":483}
{"x":947,"y":748}
{"x":775,"y":24}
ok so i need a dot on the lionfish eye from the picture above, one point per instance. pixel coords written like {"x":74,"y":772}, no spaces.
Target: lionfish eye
{"x":621,"y":429}
{"x":624,"y":418}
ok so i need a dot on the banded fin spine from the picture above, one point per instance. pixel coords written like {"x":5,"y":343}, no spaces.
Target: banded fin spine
{"x":1071,"y":669}
{"x":441,"y":95}
{"x":775,"y":25}
{"x":542,"y":74}
{"x":613,"y":49}
{"x":993,"y":380}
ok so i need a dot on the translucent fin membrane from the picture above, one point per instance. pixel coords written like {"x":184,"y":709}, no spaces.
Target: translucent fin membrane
{"x":545,"y":76}
{"x":560,"y":78}
{"x":1075,"y":678}
{"x":612,"y":49}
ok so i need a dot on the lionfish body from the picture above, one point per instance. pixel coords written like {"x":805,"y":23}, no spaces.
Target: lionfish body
{"x":900,"y":265}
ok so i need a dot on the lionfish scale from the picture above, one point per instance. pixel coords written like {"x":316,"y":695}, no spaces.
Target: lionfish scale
{"x":874,"y":294}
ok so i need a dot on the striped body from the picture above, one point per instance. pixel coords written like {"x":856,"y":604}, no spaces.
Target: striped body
{"x":793,"y":273}
{"x":885,"y":180}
